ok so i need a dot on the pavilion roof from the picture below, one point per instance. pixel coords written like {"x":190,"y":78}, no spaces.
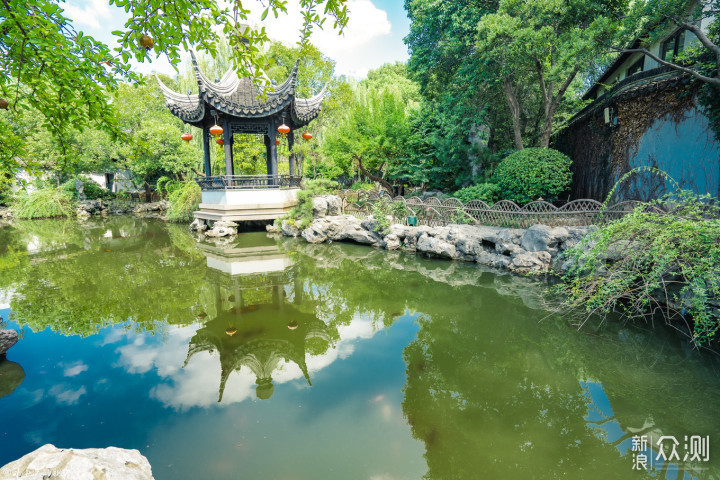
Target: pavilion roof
{"x":241,"y":99}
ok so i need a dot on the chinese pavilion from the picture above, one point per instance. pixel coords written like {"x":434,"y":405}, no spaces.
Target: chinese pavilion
{"x":236,"y":105}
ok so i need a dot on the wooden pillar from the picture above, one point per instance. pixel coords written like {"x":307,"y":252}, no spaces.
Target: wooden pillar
{"x":227,"y":134}
{"x":272,"y":157}
{"x":206,"y":152}
{"x":291,"y":142}
{"x":268,"y":155}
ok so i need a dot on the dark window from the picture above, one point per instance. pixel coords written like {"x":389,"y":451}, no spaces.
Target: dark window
{"x":636,"y":67}
{"x":672,"y":46}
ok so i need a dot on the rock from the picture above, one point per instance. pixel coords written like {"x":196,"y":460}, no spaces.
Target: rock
{"x":222,"y":229}
{"x":272,"y":228}
{"x":290,"y":229}
{"x":79,"y":464}
{"x":436,"y":246}
{"x":8,"y":338}
{"x":5,"y":213}
{"x":90,"y":207}
{"x":11,"y":376}
{"x":530,"y":262}
{"x":319,"y":207}
{"x":314,"y":234}
{"x":334,"y":204}
{"x":392,"y":241}
{"x":198,"y":225}
{"x":326,"y":205}
{"x":540,"y":238}
{"x":162,"y":205}
{"x":370,"y":224}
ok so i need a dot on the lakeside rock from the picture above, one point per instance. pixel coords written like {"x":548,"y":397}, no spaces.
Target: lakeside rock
{"x":49,"y":461}
{"x":222,"y":229}
{"x":8,"y":338}
{"x":534,"y":250}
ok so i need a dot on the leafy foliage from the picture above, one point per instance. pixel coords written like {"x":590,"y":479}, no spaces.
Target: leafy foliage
{"x":302,"y":214}
{"x":487,"y":192}
{"x":44,"y":203}
{"x":92,"y":190}
{"x":531,"y":173}
{"x":184,"y":199}
{"x":651,"y":263}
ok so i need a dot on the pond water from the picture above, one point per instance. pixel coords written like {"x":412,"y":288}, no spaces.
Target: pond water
{"x":271,"y":358}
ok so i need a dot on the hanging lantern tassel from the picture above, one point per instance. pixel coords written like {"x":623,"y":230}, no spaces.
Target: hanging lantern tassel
{"x":220,"y":141}
{"x":216,"y":130}
{"x":277,"y":142}
{"x":307,"y":136}
{"x":187,"y":137}
{"x":4,"y":104}
{"x":283,"y":130}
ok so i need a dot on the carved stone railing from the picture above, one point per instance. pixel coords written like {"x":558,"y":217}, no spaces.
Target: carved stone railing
{"x":248,"y":182}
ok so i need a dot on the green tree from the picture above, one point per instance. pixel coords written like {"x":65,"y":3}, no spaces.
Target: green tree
{"x":64,"y":76}
{"x":544,"y":44}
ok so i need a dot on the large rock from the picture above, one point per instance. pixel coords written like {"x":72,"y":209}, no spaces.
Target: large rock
{"x":8,"y":338}
{"x":160,"y":206}
{"x":436,"y":246}
{"x":539,"y":238}
{"x":49,"y":462}
{"x":289,"y":229}
{"x":326,"y":205}
{"x":11,"y":376}
{"x":198,"y":225}
{"x":531,"y":262}
{"x":90,"y":207}
{"x":222,"y":229}
{"x":340,"y":227}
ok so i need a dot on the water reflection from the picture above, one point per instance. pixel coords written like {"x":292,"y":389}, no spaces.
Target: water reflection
{"x":375,"y":356}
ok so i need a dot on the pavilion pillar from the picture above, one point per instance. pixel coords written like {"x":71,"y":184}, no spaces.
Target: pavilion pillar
{"x":272,"y":157}
{"x":227,"y":133}
{"x":268,"y":155}
{"x":291,"y":142}
{"x":206,"y":152}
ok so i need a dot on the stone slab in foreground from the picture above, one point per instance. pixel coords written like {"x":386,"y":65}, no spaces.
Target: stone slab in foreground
{"x":50,"y":462}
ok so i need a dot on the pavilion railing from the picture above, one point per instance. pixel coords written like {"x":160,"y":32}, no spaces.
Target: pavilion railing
{"x":248,"y":182}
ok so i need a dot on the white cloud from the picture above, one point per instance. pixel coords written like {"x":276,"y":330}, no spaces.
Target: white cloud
{"x":367,"y":23}
{"x":90,"y":15}
{"x":66,"y":395}
{"x":74,"y":369}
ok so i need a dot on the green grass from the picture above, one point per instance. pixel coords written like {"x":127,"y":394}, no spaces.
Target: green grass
{"x":44,"y":203}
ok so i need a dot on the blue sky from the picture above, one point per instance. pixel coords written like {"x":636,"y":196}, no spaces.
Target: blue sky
{"x":373,"y":37}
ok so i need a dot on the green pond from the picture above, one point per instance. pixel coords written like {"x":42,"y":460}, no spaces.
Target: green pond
{"x":269,"y":358}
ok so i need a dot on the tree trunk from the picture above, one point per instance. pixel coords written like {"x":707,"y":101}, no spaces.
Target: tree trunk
{"x":148,"y":195}
{"x":514,"y":111}
{"x":374,"y":178}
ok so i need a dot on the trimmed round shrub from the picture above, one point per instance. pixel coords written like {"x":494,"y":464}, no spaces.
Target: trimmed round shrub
{"x":531,"y":173}
{"x":487,"y":192}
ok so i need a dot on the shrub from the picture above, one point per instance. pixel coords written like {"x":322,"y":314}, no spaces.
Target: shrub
{"x":6,"y":191}
{"x":302,"y":214}
{"x":44,"y":203}
{"x":528,"y":174}
{"x":362,"y":186}
{"x":487,"y":192}
{"x":650,"y":263}
{"x":183,"y":201}
{"x":92,"y":190}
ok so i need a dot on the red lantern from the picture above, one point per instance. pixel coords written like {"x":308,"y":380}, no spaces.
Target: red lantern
{"x":283,"y":129}
{"x":186,"y":136}
{"x":220,"y":141}
{"x":216,"y":130}
{"x":307,"y":136}
{"x":277,"y":142}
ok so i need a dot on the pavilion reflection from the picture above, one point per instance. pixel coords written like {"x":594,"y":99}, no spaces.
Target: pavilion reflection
{"x":258,"y":319}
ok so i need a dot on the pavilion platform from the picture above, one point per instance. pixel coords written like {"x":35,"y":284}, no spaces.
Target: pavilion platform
{"x":241,"y":198}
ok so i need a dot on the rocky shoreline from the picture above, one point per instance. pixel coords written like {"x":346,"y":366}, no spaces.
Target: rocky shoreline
{"x":84,"y":209}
